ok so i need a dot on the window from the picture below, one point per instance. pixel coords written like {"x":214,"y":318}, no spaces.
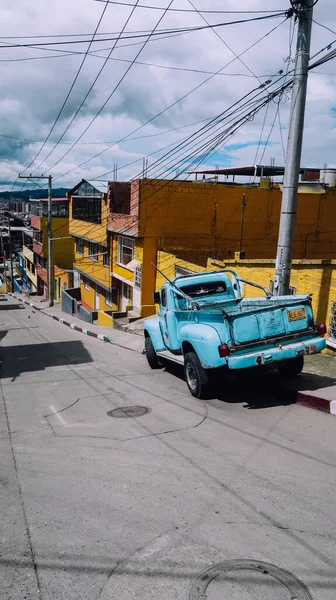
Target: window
{"x":205,"y":289}
{"x":86,"y":283}
{"x":180,"y":271}
{"x":80,"y":245}
{"x":332,"y":327}
{"x":58,"y":208}
{"x":164,"y":297}
{"x":108,"y":298}
{"x":87,"y":209}
{"x":106,"y":257}
{"x":125,"y":250}
{"x":137,"y":277}
{"x":93,"y":251}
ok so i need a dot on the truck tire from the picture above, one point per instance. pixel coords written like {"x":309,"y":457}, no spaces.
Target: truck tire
{"x":291,"y":366}
{"x":151,"y":356}
{"x":197,"y":378}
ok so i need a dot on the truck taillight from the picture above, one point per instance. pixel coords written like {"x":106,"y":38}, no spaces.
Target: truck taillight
{"x":223,"y":350}
{"x":321,"y":329}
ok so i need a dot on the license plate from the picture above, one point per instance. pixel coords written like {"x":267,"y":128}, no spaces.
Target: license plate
{"x":296,"y":315}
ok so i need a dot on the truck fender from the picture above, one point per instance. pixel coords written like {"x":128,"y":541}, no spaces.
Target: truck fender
{"x":152,"y":329}
{"x":205,"y":340}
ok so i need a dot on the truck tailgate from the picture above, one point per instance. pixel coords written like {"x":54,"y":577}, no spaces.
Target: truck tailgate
{"x":270,"y":319}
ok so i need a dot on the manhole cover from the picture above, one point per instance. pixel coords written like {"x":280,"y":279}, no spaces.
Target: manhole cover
{"x":206,"y":584}
{"x":127,"y":412}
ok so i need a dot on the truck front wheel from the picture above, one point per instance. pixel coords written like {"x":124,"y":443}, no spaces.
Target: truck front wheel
{"x":197,"y":378}
{"x":291,"y":366}
{"x":151,"y":355}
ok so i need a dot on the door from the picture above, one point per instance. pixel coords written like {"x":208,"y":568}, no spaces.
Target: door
{"x":127,"y":296}
{"x":97,"y":298}
{"x":137,"y":289}
{"x":76,"y":279}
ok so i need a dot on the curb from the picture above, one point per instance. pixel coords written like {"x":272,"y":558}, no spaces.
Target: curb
{"x":323,"y":400}
{"x":98,"y":336}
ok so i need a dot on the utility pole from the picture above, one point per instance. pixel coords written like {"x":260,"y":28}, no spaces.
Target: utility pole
{"x":50,"y":248}
{"x":10,"y":255}
{"x":4,"y":262}
{"x":304,"y":12}
{"x":49,"y":230}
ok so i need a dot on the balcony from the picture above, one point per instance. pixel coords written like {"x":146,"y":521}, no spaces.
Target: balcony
{"x":42,"y":273}
{"x":35,"y":222}
{"x":38,"y":248}
{"x":28,"y":253}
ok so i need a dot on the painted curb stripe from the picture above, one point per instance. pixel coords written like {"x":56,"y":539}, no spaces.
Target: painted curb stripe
{"x":98,"y":336}
{"x":316,"y":402}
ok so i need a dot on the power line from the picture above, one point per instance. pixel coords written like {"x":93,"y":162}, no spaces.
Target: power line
{"x":173,"y":104}
{"x":186,"y":10}
{"x":223,"y":41}
{"x":113,"y":91}
{"x":88,"y":92}
{"x":71,"y":87}
{"x":137,"y":62}
{"x":324,"y":26}
{"x":135,"y":36}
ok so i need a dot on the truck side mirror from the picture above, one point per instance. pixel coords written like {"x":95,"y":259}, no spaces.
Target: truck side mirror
{"x":156,"y":297}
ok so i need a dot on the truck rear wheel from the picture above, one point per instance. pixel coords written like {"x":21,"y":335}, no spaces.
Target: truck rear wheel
{"x":197,"y":378}
{"x":151,"y":355}
{"x":291,"y":366}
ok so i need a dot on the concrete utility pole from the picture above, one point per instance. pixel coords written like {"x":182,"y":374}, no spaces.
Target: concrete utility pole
{"x":49,"y":229}
{"x":10,"y":255}
{"x":50,"y":248}
{"x":4,"y":261}
{"x":283,"y":265}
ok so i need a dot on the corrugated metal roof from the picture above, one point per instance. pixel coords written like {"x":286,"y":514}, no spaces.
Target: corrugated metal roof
{"x":252,"y":170}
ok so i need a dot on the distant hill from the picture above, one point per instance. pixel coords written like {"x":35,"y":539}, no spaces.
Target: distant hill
{"x":36,"y":194}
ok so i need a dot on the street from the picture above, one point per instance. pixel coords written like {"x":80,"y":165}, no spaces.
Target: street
{"x":96,"y":506}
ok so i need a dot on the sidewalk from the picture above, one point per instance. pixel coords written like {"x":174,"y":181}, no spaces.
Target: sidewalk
{"x":125,"y":340}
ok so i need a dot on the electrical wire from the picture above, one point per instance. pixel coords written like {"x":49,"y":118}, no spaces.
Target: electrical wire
{"x":71,"y":88}
{"x":135,"y":36}
{"x":174,"y":103}
{"x":224,"y":42}
{"x":186,"y":10}
{"x":111,"y":94}
{"x":87,"y":93}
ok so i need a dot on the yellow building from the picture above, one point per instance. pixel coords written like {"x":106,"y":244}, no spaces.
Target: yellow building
{"x":190,"y":226}
{"x":63,"y":281}
{"x":181,"y":226}
{"x":35,"y":252}
{"x":89,"y":213}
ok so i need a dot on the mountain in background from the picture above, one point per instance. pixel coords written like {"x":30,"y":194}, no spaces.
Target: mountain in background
{"x":35,"y":194}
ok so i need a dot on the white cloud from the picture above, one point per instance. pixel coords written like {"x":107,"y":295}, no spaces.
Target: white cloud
{"x":32,"y":92}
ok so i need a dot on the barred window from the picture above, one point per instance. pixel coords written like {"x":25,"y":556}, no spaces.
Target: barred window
{"x":332,"y":326}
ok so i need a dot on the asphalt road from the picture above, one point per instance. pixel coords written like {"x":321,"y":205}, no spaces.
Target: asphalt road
{"x":95,"y":507}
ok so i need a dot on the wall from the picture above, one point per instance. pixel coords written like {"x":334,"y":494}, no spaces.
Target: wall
{"x":195,"y":220}
{"x":316,"y":277}
{"x":94,"y":268}
{"x":104,"y":319}
{"x":65,"y":281}
{"x":92,"y":231}
{"x":63,"y":251}
{"x":88,"y":295}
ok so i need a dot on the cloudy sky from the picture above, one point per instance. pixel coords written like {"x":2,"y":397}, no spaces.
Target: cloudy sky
{"x":35,"y":82}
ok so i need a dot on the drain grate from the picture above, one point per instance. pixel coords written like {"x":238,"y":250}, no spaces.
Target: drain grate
{"x":199,"y":588}
{"x":128,"y":412}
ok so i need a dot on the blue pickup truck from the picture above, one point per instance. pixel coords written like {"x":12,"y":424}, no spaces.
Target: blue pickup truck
{"x":205,"y":324}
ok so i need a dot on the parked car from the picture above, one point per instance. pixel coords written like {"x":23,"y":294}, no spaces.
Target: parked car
{"x":205,"y":324}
